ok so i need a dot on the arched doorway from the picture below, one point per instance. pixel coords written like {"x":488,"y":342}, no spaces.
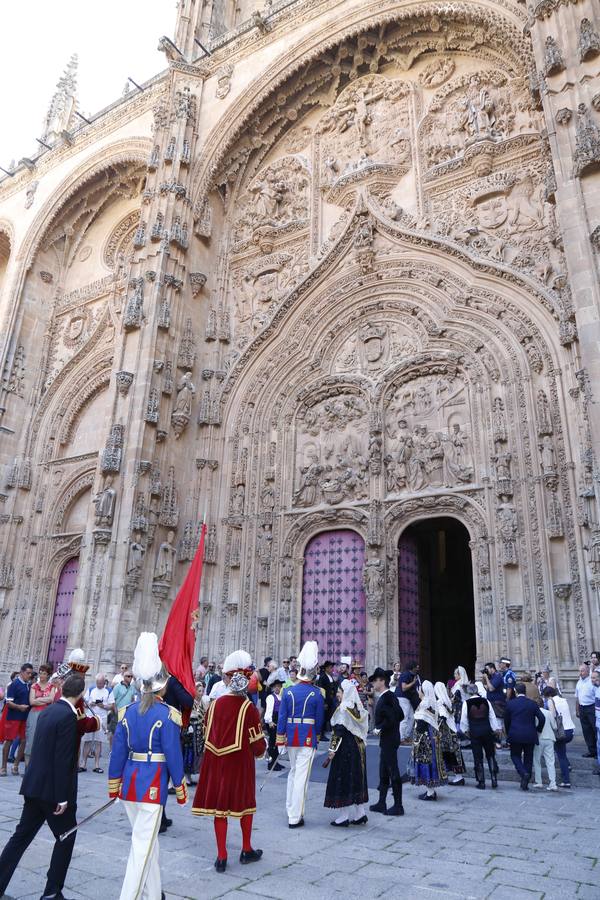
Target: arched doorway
{"x":436,"y":613}
{"x":333,"y":600}
{"x":65,"y":592}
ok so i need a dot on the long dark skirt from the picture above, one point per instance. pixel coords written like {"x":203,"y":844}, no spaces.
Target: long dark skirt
{"x":453,"y":758}
{"x":428,"y":761}
{"x":347,"y":781}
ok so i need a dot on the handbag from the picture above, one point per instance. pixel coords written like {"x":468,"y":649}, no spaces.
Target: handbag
{"x":560,"y":728}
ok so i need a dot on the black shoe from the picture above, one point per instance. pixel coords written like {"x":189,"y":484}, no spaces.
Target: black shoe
{"x":278,"y":767}
{"x":426,"y":796}
{"x":524,"y":782}
{"x":167,"y":822}
{"x":588,"y":755}
{"x":163,"y":828}
{"x":220,"y":864}
{"x":396,"y":810}
{"x":171,"y":791}
{"x":296,"y":824}
{"x":248,"y":856}
{"x":480,"y":785}
{"x":379,"y":807}
{"x":343,"y":824}
{"x":362,"y":821}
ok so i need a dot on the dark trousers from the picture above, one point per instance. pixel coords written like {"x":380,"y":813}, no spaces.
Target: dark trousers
{"x":389,"y":773}
{"x":272,"y":746}
{"x":587,"y":718}
{"x":485,"y":743}
{"x":34,"y":814}
{"x":560,"y":748}
{"x":522,"y":757}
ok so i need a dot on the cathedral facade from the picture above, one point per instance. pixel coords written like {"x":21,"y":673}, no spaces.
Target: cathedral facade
{"x":331,"y":283}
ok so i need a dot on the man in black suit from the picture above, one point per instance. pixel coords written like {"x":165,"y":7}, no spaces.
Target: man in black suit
{"x":329,"y":686}
{"x":523,"y":720}
{"x":388,"y":716}
{"x":50,"y":790}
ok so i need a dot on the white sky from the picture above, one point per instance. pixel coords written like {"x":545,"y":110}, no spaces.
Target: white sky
{"x":114,"y":39}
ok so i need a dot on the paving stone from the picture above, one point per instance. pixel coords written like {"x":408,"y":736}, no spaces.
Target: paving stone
{"x":388,"y":857}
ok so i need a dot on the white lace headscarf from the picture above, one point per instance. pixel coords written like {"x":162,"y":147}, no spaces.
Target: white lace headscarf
{"x":351,"y":713}
{"x":444,"y":704}
{"x":461,"y":682}
{"x":427,"y":708}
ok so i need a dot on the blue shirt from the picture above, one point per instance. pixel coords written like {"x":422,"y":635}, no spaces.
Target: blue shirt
{"x":412,"y":695}
{"x":18,"y":692}
{"x":597,"y":706}
{"x":497,"y":681}
{"x":509,"y":678}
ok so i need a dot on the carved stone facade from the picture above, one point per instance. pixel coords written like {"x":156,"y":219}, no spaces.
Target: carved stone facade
{"x":356,"y":289}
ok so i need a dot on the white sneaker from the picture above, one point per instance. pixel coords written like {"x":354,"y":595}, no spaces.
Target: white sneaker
{"x":538,"y":786}
{"x":551,"y":787}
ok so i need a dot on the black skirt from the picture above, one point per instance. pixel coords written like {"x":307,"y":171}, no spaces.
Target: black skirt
{"x":347,"y":781}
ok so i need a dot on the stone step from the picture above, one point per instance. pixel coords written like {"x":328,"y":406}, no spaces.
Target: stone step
{"x":582,"y":770}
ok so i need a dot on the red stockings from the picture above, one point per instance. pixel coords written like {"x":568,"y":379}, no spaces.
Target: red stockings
{"x":221,"y":835}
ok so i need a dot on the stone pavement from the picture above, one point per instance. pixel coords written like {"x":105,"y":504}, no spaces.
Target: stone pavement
{"x":504,"y":844}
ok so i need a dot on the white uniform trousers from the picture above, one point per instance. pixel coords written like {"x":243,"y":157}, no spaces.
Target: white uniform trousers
{"x":301,"y":760}
{"x":544,"y":749}
{"x":407,"y":723}
{"x":142,"y":876}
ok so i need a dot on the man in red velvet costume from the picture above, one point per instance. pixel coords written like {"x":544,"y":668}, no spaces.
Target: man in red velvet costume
{"x":86,"y":722}
{"x":233,"y":739}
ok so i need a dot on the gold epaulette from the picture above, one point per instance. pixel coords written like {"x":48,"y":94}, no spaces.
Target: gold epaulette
{"x":121,"y":712}
{"x":175,"y":716}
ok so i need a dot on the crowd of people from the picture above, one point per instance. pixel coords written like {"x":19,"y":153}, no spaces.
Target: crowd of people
{"x":154,"y":732}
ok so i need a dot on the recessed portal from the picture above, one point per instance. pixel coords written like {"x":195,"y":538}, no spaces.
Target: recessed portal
{"x":67,"y":584}
{"x":435,"y":598}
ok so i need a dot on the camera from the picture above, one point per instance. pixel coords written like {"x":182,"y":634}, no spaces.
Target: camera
{"x":484,"y":671}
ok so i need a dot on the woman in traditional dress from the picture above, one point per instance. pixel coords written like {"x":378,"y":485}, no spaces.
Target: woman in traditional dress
{"x":428,"y":763}
{"x":347,"y":790}
{"x":453,"y":758}
{"x":192,"y":742}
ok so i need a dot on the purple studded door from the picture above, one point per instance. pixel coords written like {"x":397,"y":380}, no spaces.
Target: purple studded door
{"x":408,"y":600}
{"x":62,"y":611}
{"x":333,"y":600}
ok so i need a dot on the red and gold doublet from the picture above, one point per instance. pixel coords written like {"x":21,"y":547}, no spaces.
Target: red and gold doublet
{"x":233,"y":738}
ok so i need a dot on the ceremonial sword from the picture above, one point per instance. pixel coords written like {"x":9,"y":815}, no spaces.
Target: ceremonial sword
{"x":96,"y":812}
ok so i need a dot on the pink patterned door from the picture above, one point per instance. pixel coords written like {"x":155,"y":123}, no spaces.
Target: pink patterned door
{"x":333,"y":600}
{"x":408,"y":600}
{"x":62,"y":611}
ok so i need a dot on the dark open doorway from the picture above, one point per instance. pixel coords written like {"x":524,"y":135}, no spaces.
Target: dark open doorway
{"x":435,"y":598}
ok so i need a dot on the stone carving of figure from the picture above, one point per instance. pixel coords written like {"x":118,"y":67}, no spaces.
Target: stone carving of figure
{"x":593,"y":550}
{"x":268,"y":196}
{"x":507,"y":529}
{"x":454,"y":457}
{"x":374,"y":586}
{"x":479,"y":108}
{"x":268,"y":498}
{"x":498,"y":421}
{"x":135,"y":558}
{"x":543,"y":414}
{"x":503,"y":461}
{"x":105,"y":503}
{"x":237,"y":500}
{"x":307,"y":493}
{"x":165,"y":560}
{"x":182,"y":411}
{"x":548,"y":456}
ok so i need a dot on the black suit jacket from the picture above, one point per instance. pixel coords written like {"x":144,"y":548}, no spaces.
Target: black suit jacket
{"x":330,"y":688}
{"x":388,"y":716}
{"x":51,"y":775}
{"x":177,"y":696}
{"x":523,"y":720}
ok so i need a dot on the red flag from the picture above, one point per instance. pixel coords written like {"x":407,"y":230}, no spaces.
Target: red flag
{"x":176,"y":646}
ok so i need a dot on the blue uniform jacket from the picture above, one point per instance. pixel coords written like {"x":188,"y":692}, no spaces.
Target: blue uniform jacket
{"x":146,"y":752}
{"x":301,"y":716}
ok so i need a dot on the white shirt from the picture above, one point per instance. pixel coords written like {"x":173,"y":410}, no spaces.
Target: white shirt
{"x":269,"y":705}
{"x":217,"y":690}
{"x":584,"y":691}
{"x":562,"y":707}
{"x":92,"y":695}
